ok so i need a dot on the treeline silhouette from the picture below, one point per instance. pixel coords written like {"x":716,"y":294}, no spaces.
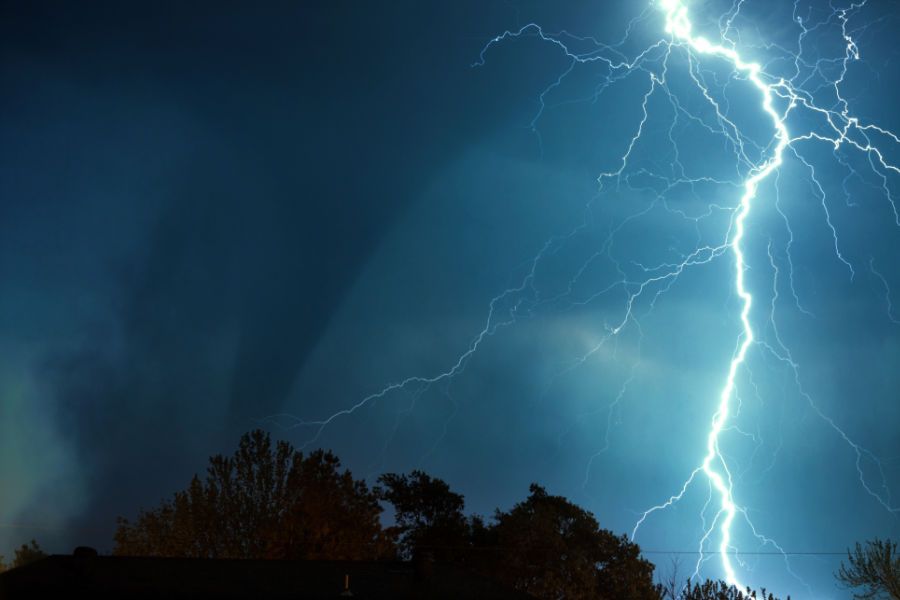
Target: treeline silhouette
{"x":25,"y":554}
{"x":270,"y":501}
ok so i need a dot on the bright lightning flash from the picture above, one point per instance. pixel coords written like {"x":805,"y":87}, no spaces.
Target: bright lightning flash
{"x":678,"y":24}
{"x":714,"y":465}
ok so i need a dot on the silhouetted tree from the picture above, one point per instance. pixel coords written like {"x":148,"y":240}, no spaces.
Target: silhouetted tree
{"x":875,"y":568}
{"x":551,"y":548}
{"x":27,"y":553}
{"x":331,"y":516}
{"x":716,"y":590}
{"x":428,"y":516}
{"x":270,"y":501}
{"x":263,"y":502}
{"x":545,"y":546}
{"x":673,"y":589}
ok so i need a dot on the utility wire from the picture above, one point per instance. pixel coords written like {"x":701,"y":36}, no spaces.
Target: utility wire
{"x":739,"y":553}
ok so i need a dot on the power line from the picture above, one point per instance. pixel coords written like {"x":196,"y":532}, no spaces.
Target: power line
{"x":642,"y":551}
{"x":739,"y":553}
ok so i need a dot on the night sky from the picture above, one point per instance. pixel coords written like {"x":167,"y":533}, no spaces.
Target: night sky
{"x":216,"y":217}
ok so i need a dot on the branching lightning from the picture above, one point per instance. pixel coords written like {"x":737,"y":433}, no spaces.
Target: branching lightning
{"x":678,"y":24}
{"x":756,"y":180}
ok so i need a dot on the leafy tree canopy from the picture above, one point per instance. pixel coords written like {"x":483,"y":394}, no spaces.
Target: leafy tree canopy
{"x":27,"y":553}
{"x":552,"y":548}
{"x":265,"y":501}
{"x":545,"y":546}
{"x":428,"y":515}
{"x":715,"y":590}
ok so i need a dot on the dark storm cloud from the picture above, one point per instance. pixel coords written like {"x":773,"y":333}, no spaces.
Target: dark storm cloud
{"x":258,"y":156}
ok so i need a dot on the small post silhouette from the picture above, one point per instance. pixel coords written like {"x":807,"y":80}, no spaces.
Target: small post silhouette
{"x":346,"y":593}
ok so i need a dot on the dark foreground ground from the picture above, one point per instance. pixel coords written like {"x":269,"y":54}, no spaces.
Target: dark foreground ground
{"x":85,"y":575}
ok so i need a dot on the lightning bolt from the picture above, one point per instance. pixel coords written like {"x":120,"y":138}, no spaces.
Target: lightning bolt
{"x":640,"y":284}
{"x":714,"y":465}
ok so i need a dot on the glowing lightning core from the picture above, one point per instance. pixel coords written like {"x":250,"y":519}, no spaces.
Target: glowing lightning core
{"x":679,"y":25}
